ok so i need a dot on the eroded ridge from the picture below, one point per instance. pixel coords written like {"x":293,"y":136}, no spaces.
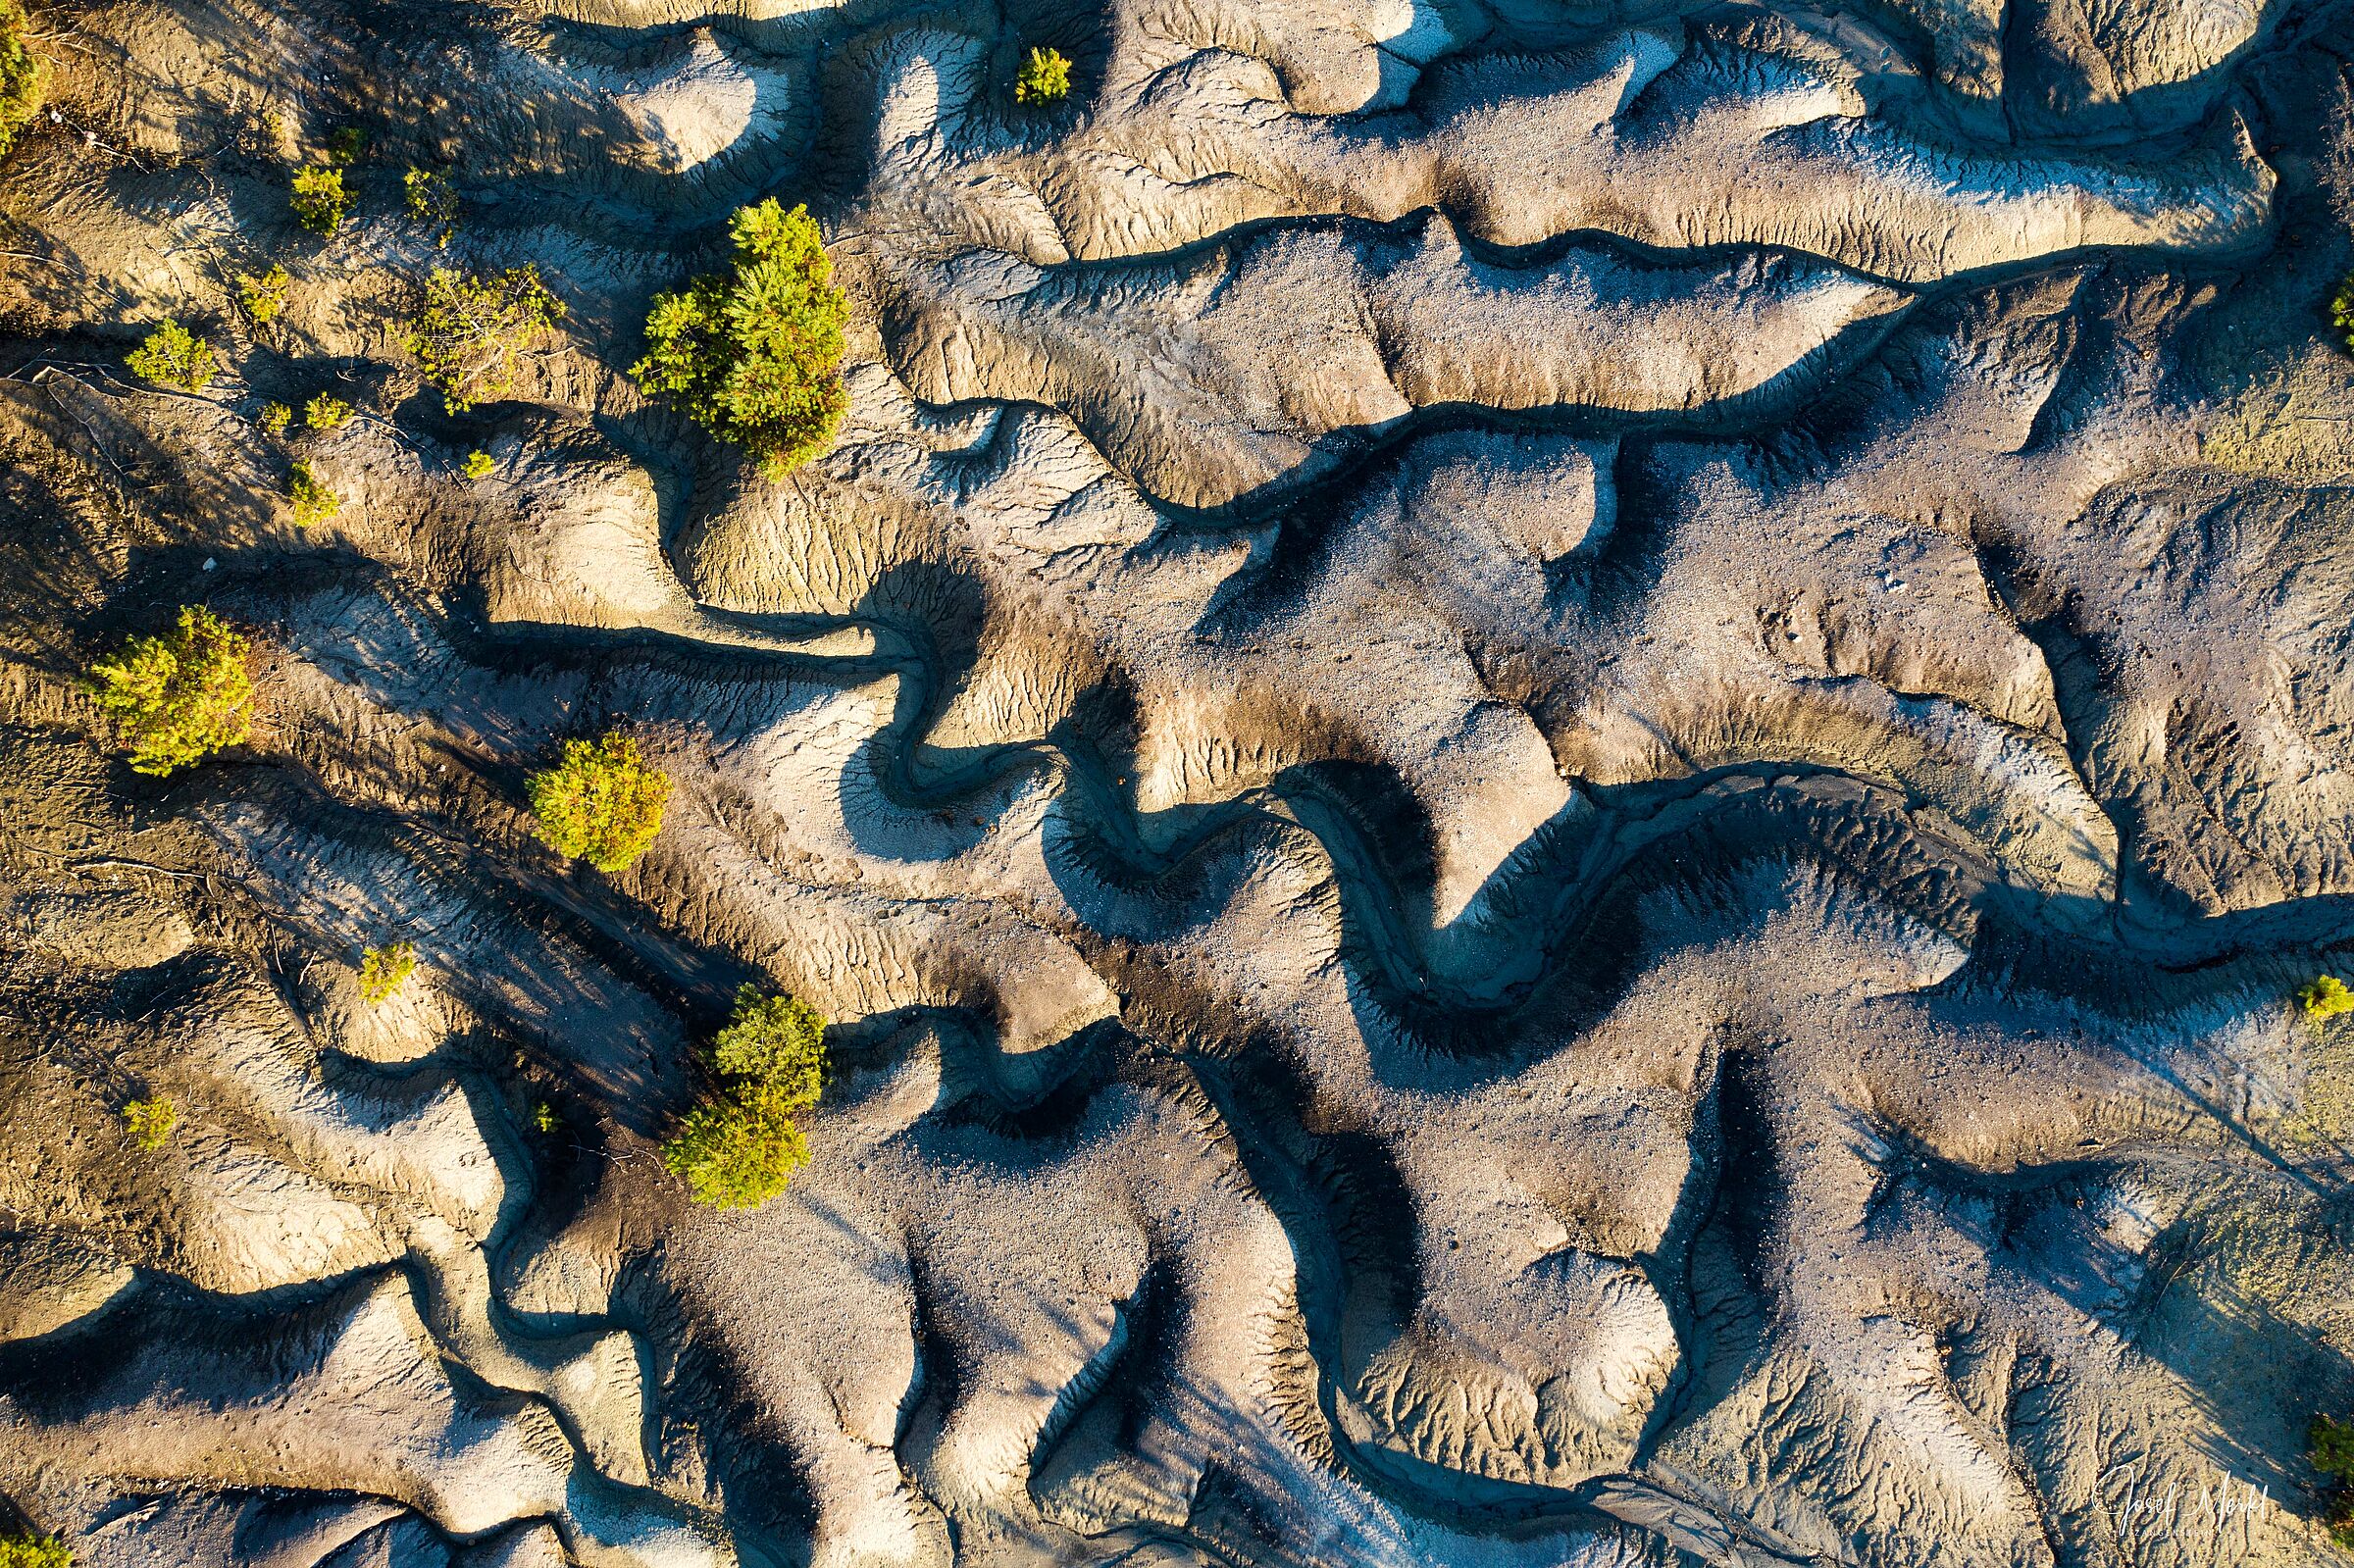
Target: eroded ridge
{"x":1558,"y":775}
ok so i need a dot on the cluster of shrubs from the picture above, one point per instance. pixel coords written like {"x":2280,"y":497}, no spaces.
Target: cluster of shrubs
{"x":754,"y":354}
{"x":602,"y":802}
{"x":2341,"y":312}
{"x":740,"y":1148}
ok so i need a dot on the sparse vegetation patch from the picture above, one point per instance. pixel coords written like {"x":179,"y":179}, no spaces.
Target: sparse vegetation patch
{"x":471,"y":338}
{"x":601,"y":802}
{"x":754,"y":355}
{"x":173,"y":356}
{"x":431,"y":199}
{"x":2341,"y":312}
{"x":275,"y":416}
{"x":479,"y":465}
{"x":179,"y":697}
{"x":151,"y":1122}
{"x":384,"y":970}
{"x":1045,"y":79}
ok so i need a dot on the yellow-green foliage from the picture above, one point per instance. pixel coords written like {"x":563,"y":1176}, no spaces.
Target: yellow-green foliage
{"x":431,"y":199}
{"x":545,"y":1119}
{"x":151,"y":1122}
{"x":479,"y":465}
{"x":2341,"y":312}
{"x":344,"y":145}
{"x":319,"y":199}
{"x":313,"y":501}
{"x":776,"y":1042}
{"x":325,"y":413}
{"x":741,"y":1150}
{"x":2325,"y":997}
{"x":601,"y":802}
{"x":173,"y":356}
{"x":738,"y":1152}
{"x":1045,"y":79}
{"x":275,"y":416}
{"x":264,"y":297}
{"x":34,"y":1552}
{"x":384,"y":970}
{"x":754,"y":356}
{"x":179,"y":698}
{"x":23,"y":76}
{"x":476,"y":327}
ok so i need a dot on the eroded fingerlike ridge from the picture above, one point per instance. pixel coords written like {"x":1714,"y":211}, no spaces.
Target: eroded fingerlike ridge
{"x":1559,"y":773}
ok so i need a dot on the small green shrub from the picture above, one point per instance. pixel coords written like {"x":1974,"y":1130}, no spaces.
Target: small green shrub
{"x":2341,"y":312}
{"x":739,"y":1152}
{"x":275,"y":416}
{"x":344,"y":144}
{"x":264,"y":298}
{"x":173,"y":356}
{"x":23,"y":76}
{"x":384,"y":970}
{"x":544,"y":1120}
{"x":479,"y":465}
{"x":313,"y":501}
{"x":179,"y":697}
{"x":475,"y":328}
{"x":325,"y":413}
{"x":601,"y":802}
{"x":152,"y":1122}
{"x":754,"y":356}
{"x":1045,"y":79}
{"x":431,"y":200}
{"x":2325,"y":997}
{"x":320,"y":201}
{"x":35,"y":1551}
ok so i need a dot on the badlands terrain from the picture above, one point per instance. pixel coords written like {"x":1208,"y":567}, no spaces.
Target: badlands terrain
{"x":1558,"y":768}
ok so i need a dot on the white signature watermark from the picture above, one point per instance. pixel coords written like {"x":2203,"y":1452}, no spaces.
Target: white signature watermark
{"x":2203,"y":1502}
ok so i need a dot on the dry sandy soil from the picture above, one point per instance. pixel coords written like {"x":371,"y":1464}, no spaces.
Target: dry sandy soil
{"x":1559,"y":767}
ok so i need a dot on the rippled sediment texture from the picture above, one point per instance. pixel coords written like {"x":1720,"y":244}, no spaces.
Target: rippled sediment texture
{"x":1558,"y":768}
